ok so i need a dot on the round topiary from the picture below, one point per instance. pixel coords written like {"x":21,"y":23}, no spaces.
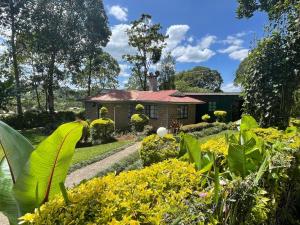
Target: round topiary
{"x":221,"y":115}
{"x":139,"y":108}
{"x":103,"y":112}
{"x":205,"y":117}
{"x":139,"y":121}
{"x":102,"y":130}
{"x":156,"y":149}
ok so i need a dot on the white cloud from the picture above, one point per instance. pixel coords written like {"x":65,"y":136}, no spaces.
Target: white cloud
{"x":235,"y":50}
{"x":118,"y":44}
{"x":207,"y":41}
{"x":190,"y":39}
{"x":239,"y":54}
{"x":124,"y":70}
{"x":119,"y":12}
{"x":176,"y":35}
{"x":192,"y":53}
{"x":230,"y":87}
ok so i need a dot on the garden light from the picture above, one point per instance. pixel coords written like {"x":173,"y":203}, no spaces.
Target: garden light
{"x":161,"y":131}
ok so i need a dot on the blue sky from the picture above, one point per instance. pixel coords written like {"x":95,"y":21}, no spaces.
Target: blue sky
{"x":201,"y":32}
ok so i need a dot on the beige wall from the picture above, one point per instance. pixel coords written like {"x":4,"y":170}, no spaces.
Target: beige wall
{"x":166,"y":114}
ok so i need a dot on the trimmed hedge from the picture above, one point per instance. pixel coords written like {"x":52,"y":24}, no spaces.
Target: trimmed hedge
{"x":34,"y":119}
{"x":201,"y":126}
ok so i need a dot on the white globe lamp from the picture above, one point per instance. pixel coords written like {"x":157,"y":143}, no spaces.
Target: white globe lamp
{"x":161,"y":132}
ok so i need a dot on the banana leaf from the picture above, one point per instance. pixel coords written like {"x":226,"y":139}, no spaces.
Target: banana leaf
{"x":193,"y":148}
{"x":247,"y":123}
{"x":8,"y":204}
{"x":16,"y":149}
{"x":47,"y":167}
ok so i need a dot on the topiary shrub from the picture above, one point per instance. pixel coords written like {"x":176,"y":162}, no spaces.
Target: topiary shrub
{"x":102,"y":129}
{"x":139,"y":120}
{"x":156,"y":149}
{"x":220,"y":115}
{"x":205,"y":117}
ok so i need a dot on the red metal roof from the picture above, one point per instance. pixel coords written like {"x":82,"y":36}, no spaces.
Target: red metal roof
{"x":168,"y":96}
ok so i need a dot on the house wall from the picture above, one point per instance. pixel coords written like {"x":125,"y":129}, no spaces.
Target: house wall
{"x":166,"y":114}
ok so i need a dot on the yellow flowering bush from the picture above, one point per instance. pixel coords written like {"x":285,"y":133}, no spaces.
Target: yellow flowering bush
{"x":156,"y":149}
{"x":136,"y":197}
{"x":102,"y":130}
{"x":216,"y":145}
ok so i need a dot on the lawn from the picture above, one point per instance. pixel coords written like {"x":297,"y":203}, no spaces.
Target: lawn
{"x":88,"y":153}
{"x":35,"y":136}
{"x":221,"y":134}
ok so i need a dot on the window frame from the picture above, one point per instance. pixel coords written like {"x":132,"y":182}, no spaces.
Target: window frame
{"x":182,"y":112}
{"x":212,"y":106}
{"x":151,"y":111}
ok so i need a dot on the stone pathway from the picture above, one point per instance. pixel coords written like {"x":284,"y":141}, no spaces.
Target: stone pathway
{"x":90,"y":171}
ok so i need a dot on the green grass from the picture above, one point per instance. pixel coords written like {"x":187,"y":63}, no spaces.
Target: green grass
{"x":35,"y":136}
{"x":88,"y":153}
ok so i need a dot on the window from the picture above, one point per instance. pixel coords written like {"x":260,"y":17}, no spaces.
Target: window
{"x":151,"y":111}
{"x":212,"y":106}
{"x":182,"y":112}
{"x":131,"y":110}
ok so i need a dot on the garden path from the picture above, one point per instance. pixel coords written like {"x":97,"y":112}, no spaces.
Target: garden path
{"x":91,"y":171}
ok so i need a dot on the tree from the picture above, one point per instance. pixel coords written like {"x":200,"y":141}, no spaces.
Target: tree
{"x":11,"y":12}
{"x":282,"y":71}
{"x":61,"y":34}
{"x":6,"y":91}
{"x":167,"y":73}
{"x":268,"y":83}
{"x":149,"y":42}
{"x":199,"y":79}
{"x":99,"y":73}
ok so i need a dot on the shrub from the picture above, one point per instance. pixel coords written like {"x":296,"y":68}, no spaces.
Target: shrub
{"x":221,"y":115}
{"x":102,"y":130}
{"x":195,"y":127}
{"x":205,"y":117}
{"x":156,"y":149}
{"x":143,"y":196}
{"x":216,"y":145}
{"x":103,"y":112}
{"x":139,"y":120}
{"x":139,"y":108}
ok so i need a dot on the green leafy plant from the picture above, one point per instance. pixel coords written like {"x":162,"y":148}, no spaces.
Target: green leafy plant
{"x":205,"y":117}
{"x":30,"y":177}
{"x":103,"y":112}
{"x":139,"y":120}
{"x":156,"y":149}
{"x":221,"y":115}
{"x":102,"y":130}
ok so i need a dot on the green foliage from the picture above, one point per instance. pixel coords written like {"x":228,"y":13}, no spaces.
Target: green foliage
{"x":156,"y":149}
{"x":103,"y":112}
{"x":102,"y":130}
{"x":220,"y":115}
{"x":145,"y":36}
{"x":167,"y":69}
{"x":205,"y":117}
{"x":201,"y":126}
{"x":139,"y":120}
{"x":139,"y":108}
{"x":199,"y":79}
{"x":27,"y":175}
{"x":6,"y":91}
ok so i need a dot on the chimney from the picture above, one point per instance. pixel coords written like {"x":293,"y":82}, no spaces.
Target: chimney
{"x":153,"y":81}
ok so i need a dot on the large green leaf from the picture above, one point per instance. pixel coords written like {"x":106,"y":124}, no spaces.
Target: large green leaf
{"x":193,"y":147}
{"x":16,"y":149}
{"x":247,"y":123}
{"x":8,"y":204}
{"x":237,"y":159}
{"x":47,"y":167}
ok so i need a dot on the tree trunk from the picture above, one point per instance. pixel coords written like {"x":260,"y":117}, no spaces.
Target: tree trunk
{"x":15,"y":59}
{"x":90,"y":77}
{"x":50,"y":84}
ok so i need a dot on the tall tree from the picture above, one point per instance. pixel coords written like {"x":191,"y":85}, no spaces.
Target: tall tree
{"x":99,"y":73}
{"x":10,"y":15}
{"x":61,"y":33}
{"x":146,"y":38}
{"x":199,"y":79}
{"x":282,"y":47}
{"x":167,"y":72}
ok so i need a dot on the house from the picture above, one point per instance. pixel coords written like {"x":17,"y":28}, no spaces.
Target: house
{"x":162,"y":107}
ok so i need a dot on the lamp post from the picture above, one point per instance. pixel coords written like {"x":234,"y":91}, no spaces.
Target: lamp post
{"x":161,"y":132}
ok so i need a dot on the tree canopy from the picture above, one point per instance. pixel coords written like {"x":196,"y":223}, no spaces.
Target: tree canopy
{"x":146,"y":38}
{"x":199,"y":79}
{"x":167,"y":70}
